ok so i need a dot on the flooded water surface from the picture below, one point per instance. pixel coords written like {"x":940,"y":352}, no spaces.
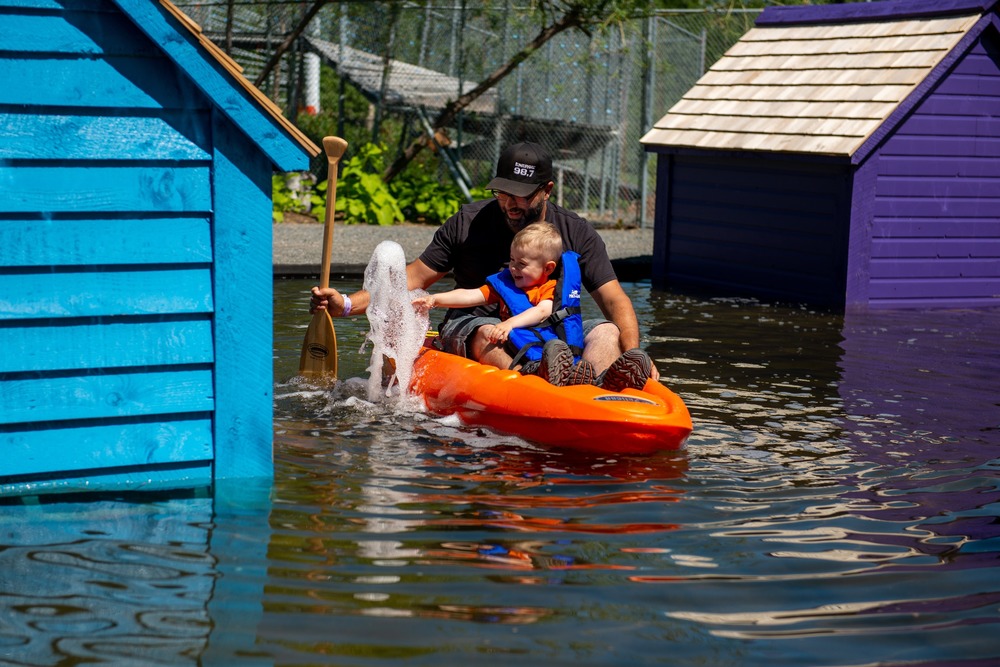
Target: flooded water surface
{"x":836,"y":504}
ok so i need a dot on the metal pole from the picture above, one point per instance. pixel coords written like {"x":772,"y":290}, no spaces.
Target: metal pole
{"x":648,"y":89}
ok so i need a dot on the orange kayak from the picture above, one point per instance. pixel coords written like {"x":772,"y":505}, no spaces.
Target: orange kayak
{"x":581,"y":417}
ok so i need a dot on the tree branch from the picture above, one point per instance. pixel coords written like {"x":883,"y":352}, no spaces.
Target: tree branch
{"x":572,"y":19}
{"x":287,"y":44}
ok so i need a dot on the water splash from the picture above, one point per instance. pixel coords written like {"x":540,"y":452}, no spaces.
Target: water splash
{"x":397,"y":330}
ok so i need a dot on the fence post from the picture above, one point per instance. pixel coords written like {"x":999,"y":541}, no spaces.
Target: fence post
{"x":648,"y":86}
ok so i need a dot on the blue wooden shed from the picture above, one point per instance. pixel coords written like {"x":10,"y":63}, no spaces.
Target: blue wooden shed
{"x":135,"y":251}
{"x":841,"y":155}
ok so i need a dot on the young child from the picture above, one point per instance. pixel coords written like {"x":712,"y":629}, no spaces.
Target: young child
{"x":534,"y":256}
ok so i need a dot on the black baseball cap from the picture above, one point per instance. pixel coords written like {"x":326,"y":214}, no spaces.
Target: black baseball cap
{"x":522,"y":169}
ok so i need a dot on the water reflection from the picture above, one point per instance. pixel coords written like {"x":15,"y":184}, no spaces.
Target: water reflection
{"x":836,"y":505}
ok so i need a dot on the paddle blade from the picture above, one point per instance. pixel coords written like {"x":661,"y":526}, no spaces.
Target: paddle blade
{"x":319,"y":349}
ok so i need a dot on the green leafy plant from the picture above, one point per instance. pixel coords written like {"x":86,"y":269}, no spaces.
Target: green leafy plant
{"x":362,"y":196}
{"x":283,"y":200}
{"x":424,"y":199}
{"x":293,"y":192}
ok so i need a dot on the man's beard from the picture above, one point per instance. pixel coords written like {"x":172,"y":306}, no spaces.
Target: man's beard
{"x":529,"y":215}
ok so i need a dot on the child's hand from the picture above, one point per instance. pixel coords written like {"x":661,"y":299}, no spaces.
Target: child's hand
{"x":498,"y":333}
{"x":423,"y":303}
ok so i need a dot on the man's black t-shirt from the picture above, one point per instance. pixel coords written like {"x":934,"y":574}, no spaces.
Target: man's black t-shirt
{"x":475,"y":243}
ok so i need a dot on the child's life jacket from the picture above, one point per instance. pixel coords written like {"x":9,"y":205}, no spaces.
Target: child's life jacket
{"x":566,"y":322}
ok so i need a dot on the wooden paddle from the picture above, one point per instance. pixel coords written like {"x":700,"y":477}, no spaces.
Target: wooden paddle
{"x":319,"y":349}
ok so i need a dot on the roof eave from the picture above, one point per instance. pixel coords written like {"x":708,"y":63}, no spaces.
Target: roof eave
{"x":870,"y":11}
{"x":271,"y":134}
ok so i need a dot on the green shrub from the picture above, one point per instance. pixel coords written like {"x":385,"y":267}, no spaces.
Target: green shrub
{"x":363,"y":198}
{"x":423,"y":198}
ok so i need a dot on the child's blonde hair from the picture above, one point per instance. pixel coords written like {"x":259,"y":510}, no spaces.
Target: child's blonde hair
{"x":540,"y":236}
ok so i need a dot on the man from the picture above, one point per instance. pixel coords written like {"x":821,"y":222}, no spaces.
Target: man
{"x":475,"y":243}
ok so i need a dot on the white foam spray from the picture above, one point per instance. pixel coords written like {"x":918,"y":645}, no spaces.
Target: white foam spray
{"x":397,"y":331}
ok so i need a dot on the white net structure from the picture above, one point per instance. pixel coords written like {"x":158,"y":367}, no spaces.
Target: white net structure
{"x":588,"y":97}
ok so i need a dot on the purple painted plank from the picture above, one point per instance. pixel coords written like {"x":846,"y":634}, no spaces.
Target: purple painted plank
{"x":935,"y":227}
{"x":936,"y":208}
{"x":858,"y":245}
{"x":978,"y":62}
{"x":943,"y":146}
{"x":937,"y":268}
{"x":874,"y":11}
{"x":940,"y":289}
{"x":741,"y":257}
{"x":767,"y":282}
{"x":934,"y":248}
{"x":972,"y":85}
{"x":928,"y":303}
{"x":955,"y":106}
{"x":940,"y":188}
{"x":944,"y":167}
{"x":777,"y":240}
{"x":953,"y":126}
{"x":782,"y":209}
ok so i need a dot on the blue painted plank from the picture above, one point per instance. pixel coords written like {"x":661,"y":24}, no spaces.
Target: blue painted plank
{"x":243,"y":333}
{"x":102,"y":189}
{"x":77,"y":446}
{"x":52,"y":399}
{"x":166,"y":477}
{"x":58,"y":5}
{"x":34,"y":136}
{"x":116,"y":82}
{"x":102,"y":344}
{"x":92,"y":294}
{"x":74,"y":242}
{"x":84,"y":33}
{"x":218,"y":85}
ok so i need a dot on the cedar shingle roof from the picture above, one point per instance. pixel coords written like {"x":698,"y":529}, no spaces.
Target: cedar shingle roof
{"x":808,"y":88}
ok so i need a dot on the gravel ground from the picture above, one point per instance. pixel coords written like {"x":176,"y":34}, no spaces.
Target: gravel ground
{"x":297,"y":250}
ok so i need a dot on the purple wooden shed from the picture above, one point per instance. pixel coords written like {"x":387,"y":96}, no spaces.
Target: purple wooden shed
{"x":840,"y":155}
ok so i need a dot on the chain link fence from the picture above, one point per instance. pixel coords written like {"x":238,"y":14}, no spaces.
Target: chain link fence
{"x":588,"y":98}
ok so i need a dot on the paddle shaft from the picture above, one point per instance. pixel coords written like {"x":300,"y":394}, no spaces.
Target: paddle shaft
{"x":334,"y":148}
